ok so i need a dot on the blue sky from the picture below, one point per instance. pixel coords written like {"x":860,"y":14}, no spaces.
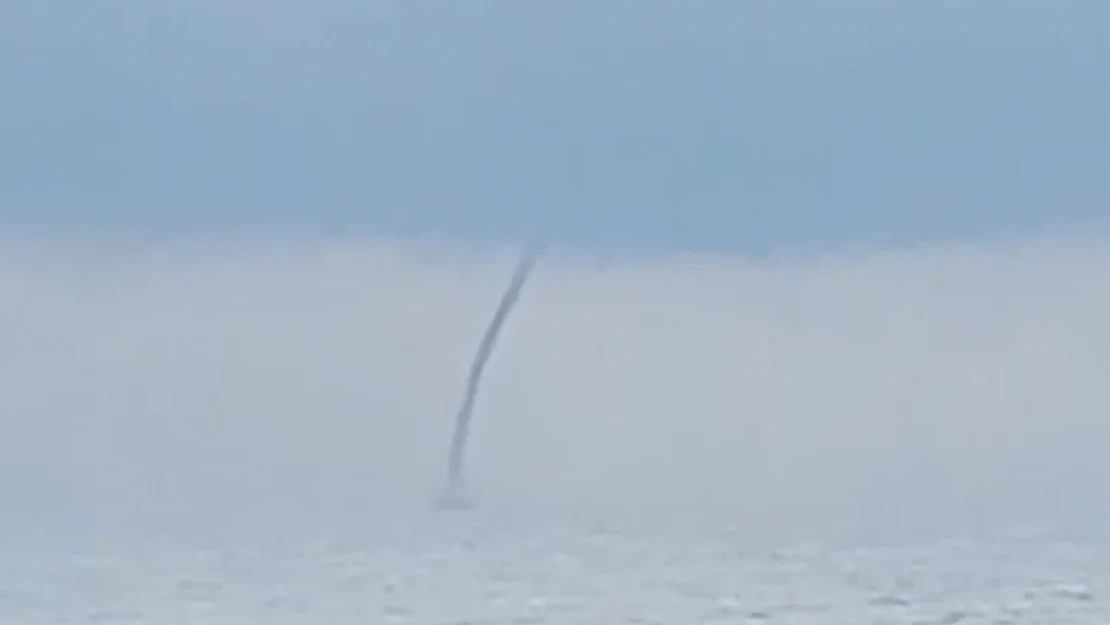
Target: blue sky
{"x":737,"y":126}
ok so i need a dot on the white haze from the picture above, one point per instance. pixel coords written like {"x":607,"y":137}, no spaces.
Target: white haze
{"x":211,"y":384}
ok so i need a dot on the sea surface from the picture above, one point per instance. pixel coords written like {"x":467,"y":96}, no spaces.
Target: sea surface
{"x":458,"y":568}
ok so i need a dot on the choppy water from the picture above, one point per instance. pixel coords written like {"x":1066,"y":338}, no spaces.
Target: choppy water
{"x":551,"y":575}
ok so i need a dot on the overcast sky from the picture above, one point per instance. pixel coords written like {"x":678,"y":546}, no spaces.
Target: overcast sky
{"x":727,"y":125}
{"x":293,"y":206}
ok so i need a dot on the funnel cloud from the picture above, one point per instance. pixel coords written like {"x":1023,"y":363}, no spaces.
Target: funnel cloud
{"x":454,"y":495}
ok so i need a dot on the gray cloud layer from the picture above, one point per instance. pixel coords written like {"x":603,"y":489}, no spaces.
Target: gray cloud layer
{"x":724,"y":124}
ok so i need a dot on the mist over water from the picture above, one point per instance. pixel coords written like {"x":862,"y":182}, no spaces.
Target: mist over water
{"x":213,"y":384}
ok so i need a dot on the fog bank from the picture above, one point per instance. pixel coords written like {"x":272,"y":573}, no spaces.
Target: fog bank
{"x":218,"y":382}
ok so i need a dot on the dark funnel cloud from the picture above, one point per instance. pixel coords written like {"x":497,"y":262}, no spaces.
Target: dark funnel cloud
{"x":454,"y":495}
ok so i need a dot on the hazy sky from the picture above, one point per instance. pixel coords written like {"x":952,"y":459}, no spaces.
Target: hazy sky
{"x":940,"y":389}
{"x":731,"y":125}
{"x":946,"y":366}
